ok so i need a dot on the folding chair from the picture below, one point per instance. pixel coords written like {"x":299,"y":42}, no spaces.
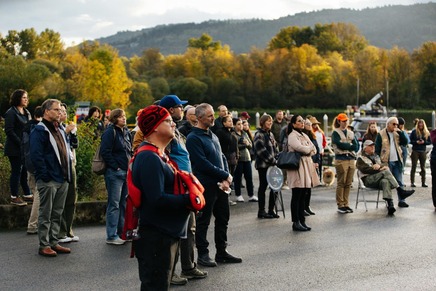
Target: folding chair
{"x":361,"y":188}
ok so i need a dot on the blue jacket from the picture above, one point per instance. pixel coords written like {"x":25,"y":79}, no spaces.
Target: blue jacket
{"x":45,"y":155}
{"x":116,"y":147}
{"x":208,"y":162}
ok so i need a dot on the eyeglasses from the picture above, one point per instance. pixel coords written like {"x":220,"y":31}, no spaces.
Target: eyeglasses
{"x":300,"y":120}
{"x":395,"y":124}
{"x":170,"y":121}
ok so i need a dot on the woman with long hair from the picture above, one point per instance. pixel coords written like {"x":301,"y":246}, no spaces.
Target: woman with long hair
{"x":16,"y":118}
{"x":244,"y":163}
{"x":371,"y":132}
{"x":419,"y":138}
{"x":266,"y":150}
{"x":305,"y":177}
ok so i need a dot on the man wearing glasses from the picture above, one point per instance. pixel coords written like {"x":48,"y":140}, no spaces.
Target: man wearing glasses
{"x":50,"y":154}
{"x":388,"y":145}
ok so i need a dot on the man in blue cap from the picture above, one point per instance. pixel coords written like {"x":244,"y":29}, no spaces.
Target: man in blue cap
{"x":179,"y":154}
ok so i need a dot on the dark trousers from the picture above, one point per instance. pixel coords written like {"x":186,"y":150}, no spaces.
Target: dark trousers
{"x":155,"y":252}
{"x":187,"y":246}
{"x":263,"y":184}
{"x":307,"y":197}
{"x":18,"y":176}
{"x":244,"y":168}
{"x":433,"y":180}
{"x":297,"y":204}
{"x":70,"y":207}
{"x":217,"y":203}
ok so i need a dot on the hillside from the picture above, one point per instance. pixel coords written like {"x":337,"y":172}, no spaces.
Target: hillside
{"x":385,"y":27}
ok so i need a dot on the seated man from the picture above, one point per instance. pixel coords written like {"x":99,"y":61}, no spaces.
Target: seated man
{"x":375,"y":175}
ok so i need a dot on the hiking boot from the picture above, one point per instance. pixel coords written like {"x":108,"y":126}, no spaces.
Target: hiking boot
{"x":390,"y":206}
{"x":177,"y":280}
{"x":17,"y":201}
{"x":28,"y":198}
{"x":194,"y":273}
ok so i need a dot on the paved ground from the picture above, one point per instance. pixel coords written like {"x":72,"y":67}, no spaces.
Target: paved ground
{"x":359,"y":251}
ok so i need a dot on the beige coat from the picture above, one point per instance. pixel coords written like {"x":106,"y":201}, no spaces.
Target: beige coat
{"x":306,"y":175}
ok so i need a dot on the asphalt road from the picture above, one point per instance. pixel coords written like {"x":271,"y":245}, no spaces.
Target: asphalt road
{"x":358,"y":251}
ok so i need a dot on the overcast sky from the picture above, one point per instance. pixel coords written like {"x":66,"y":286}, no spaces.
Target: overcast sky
{"x":78,"y":20}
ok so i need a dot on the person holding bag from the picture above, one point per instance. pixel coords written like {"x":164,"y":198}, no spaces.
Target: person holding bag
{"x":303,"y":178}
{"x":266,"y":149}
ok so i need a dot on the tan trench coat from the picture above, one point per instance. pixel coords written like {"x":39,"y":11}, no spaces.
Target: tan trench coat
{"x":306,"y":175}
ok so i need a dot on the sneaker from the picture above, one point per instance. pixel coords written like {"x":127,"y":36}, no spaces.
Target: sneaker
{"x":17,"y":201}
{"x":116,"y":241}
{"x":285,"y":187}
{"x":424,"y":185}
{"x":177,"y":280}
{"x":253,"y":199}
{"x":232,"y":203}
{"x":74,"y":238}
{"x":342,"y":210}
{"x":32,"y":231}
{"x":240,"y":198}
{"x":349,"y":210}
{"x":28,"y":198}
{"x":65,"y":239}
{"x":194,"y":274}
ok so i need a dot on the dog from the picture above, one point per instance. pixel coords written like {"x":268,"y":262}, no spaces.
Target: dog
{"x":328,"y":176}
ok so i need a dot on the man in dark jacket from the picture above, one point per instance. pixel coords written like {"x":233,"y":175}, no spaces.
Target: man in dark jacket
{"x":51,"y":157}
{"x":210,"y":167}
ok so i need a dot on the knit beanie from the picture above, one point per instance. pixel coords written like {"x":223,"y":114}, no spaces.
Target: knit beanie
{"x":151,"y":117}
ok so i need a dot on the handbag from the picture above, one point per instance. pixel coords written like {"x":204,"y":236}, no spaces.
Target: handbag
{"x":288,"y":160}
{"x":98,"y":166}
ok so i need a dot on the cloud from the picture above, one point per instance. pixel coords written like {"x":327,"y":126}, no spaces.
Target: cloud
{"x":91,"y":19}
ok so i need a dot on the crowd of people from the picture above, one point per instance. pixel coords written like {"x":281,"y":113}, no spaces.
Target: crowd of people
{"x":219,"y":152}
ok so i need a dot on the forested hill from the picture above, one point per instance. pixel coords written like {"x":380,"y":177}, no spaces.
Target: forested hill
{"x":385,"y":27}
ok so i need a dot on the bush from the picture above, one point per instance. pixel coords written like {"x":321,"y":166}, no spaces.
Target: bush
{"x":89,"y":185}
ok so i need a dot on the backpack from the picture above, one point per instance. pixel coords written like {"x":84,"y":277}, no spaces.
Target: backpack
{"x":184,"y":183}
{"x":98,"y":165}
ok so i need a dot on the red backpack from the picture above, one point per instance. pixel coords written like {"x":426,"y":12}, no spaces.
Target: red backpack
{"x":184,"y":183}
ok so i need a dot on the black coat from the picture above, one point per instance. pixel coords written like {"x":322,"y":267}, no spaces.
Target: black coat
{"x":14,"y":126}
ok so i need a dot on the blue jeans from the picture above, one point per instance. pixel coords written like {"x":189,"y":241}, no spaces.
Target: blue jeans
{"x":116,"y":186}
{"x":18,"y":176}
{"x":397,"y":171}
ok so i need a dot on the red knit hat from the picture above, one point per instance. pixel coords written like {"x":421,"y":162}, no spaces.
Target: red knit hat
{"x":150,"y":118}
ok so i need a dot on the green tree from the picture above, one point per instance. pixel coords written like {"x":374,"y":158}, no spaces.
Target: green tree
{"x":190,"y":89}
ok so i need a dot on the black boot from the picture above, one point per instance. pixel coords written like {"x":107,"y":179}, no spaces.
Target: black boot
{"x":390,"y":206}
{"x":303,"y":224}
{"x":296,"y":226}
{"x":403,"y":194}
{"x":309,"y":210}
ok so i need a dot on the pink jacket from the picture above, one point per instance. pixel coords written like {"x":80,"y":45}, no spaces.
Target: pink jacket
{"x":306,"y":175}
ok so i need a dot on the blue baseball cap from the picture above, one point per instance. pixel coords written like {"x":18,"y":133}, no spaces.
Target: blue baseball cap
{"x":171,"y":101}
